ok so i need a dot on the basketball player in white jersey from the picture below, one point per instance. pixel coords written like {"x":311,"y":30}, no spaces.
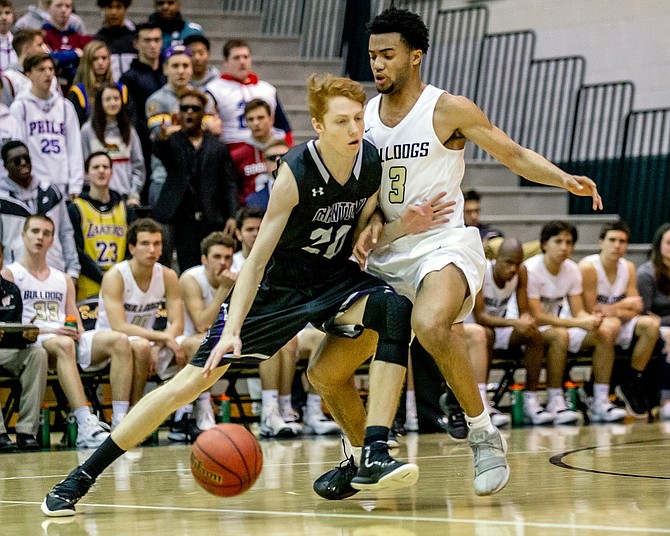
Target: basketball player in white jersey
{"x":205,"y":288}
{"x":506,"y":277}
{"x":610,"y":288}
{"x":131,"y":295}
{"x":48,"y":297}
{"x":420,"y":132}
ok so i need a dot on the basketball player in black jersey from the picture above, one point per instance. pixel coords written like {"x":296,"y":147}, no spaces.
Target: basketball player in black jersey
{"x":299,"y":272}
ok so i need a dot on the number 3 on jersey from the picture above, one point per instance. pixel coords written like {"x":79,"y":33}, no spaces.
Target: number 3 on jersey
{"x":398,"y":176}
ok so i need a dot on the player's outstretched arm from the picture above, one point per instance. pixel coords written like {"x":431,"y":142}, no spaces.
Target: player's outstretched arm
{"x":283,"y":199}
{"x":458,"y":113}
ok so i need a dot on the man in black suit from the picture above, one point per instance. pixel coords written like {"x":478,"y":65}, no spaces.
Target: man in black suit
{"x":199,"y":195}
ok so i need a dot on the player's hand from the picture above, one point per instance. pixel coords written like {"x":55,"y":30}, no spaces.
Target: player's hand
{"x":230,"y":227}
{"x":228,"y":344}
{"x":585,"y":187}
{"x":179,"y":356}
{"x":68,"y":331}
{"x":368,"y":239}
{"x":152,"y":364}
{"x":429,"y":214}
{"x":226,"y":278}
{"x":526,"y":324}
{"x":133,"y":202}
{"x":163,"y":133}
{"x":589,"y":322}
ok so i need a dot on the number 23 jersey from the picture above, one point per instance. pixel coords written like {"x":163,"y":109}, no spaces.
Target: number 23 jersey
{"x":416,"y":165}
{"x":322,"y":224}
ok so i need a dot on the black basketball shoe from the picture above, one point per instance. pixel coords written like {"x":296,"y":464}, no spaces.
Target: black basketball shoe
{"x":185,"y":430}
{"x":60,"y":501}
{"x":633,"y":395}
{"x":457,"y":428}
{"x":336,"y":483}
{"x":378,"y":470}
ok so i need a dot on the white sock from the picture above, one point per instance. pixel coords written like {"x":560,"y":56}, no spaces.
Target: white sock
{"x":285,"y":407}
{"x":410,"y":404}
{"x":119,"y":410}
{"x":601,"y":391}
{"x":270,"y":400}
{"x":205,"y":398}
{"x":480,"y":422}
{"x":81,"y":414}
{"x":314,"y":402}
{"x":529,"y":396}
{"x":554,"y":392}
{"x":188,"y":408}
{"x":350,"y":450}
{"x":483,"y":393}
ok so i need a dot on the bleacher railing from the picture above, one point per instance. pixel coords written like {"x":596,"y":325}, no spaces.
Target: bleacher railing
{"x":502,"y":81}
{"x":645,"y":186}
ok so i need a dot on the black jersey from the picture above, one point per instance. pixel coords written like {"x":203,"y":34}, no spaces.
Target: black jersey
{"x":321,"y":226}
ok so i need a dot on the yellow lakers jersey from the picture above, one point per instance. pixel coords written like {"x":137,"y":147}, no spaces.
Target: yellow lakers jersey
{"x":104,"y":240}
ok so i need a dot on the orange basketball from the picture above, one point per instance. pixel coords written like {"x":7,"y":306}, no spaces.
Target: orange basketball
{"x":226,"y":460}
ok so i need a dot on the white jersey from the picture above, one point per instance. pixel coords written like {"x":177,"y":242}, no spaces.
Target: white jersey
{"x":610,"y":292}
{"x":552,"y":289}
{"x":230,"y":97}
{"x":496,"y":299}
{"x":207,"y":292}
{"x":238,"y":262}
{"x":416,"y":171}
{"x":50,"y":129}
{"x":43,"y":301}
{"x":141,"y":307}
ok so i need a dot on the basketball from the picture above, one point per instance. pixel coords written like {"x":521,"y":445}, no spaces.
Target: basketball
{"x":226,"y":460}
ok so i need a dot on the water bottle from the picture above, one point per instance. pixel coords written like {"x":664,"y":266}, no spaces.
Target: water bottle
{"x":223,"y":414}
{"x":44,"y":434}
{"x":516,"y":392}
{"x":71,"y":322}
{"x":571,"y":395}
{"x":71,"y":431}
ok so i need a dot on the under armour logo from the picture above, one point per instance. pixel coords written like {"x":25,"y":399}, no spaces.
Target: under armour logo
{"x":317,"y":191}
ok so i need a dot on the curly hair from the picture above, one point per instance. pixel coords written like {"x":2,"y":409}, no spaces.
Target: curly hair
{"x":409,"y":25}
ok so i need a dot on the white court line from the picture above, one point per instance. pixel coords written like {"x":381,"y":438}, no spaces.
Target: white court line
{"x":373,"y":517}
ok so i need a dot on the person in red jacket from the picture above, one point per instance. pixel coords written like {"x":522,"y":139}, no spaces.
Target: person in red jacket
{"x":65,"y":41}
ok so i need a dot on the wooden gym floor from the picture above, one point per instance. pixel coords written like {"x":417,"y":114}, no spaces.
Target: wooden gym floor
{"x":607,"y":479}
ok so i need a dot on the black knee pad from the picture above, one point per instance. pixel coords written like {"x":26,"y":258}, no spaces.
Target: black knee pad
{"x":389,"y":314}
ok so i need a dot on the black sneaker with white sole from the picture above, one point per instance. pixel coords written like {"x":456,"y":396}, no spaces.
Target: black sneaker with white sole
{"x":378,"y":470}
{"x":336,"y":483}
{"x":60,"y":501}
{"x":184,"y":430}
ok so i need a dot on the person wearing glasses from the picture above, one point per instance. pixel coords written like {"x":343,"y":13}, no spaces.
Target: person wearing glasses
{"x":199,"y":191}
{"x":252,"y":169}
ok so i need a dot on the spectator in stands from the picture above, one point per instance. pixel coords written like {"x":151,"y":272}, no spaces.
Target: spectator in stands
{"x":205,"y":287}
{"x":50,"y":129}
{"x":552,"y":278}
{"x":167,"y":16}
{"x":100,"y":220}
{"x":66,"y":43}
{"x":94,"y":70}
{"x":118,"y":33}
{"x":22,"y":195}
{"x":26,"y":43}
{"x":29,"y":365}
{"x":7,"y":52}
{"x":506,"y":277}
{"x":248,"y":158}
{"x":610,"y":289}
{"x":9,"y":130}
{"x":143,"y":78}
{"x":38,"y":15}
{"x":110,"y":130}
{"x":203,"y":72}
{"x":130,"y":297}
{"x":653,"y":283}
{"x":200,"y":191}
{"x":48,"y":297}
{"x":237,"y":85}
